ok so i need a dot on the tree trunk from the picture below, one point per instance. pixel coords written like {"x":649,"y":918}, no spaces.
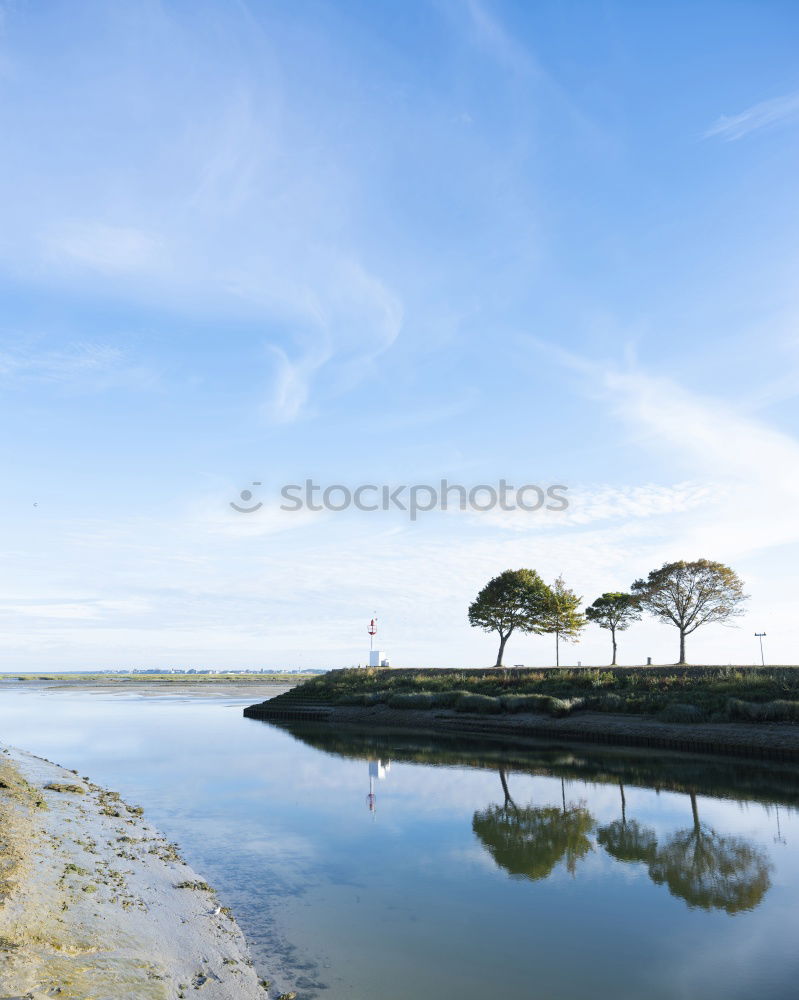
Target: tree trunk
{"x":681,"y":661}
{"x":502,"y":640}
{"x":613,"y":637}
{"x":623,"y":805}
{"x":557,"y":649}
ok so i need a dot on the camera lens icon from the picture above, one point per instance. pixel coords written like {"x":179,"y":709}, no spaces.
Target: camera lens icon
{"x":246,"y":496}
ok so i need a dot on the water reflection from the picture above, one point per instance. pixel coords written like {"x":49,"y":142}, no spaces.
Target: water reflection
{"x":699,"y":865}
{"x":711,"y":871}
{"x":529,"y":841}
{"x":378,"y":769}
{"x":628,"y":841}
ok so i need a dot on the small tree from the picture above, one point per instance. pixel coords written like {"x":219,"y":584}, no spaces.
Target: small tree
{"x":690,"y":594}
{"x":614,"y":611}
{"x":562,"y":615}
{"x":516,"y":599}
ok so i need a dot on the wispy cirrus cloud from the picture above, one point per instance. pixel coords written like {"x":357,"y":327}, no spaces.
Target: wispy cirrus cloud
{"x":80,"y":365}
{"x":107,"y":248}
{"x":730,"y":128}
{"x":221,"y":194}
{"x":749,"y":469}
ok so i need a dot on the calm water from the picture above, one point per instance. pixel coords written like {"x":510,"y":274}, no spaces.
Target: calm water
{"x":464,"y":872}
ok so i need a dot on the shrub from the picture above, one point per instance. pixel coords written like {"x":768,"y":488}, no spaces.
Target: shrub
{"x":482,"y":703}
{"x":526,"y":702}
{"x":447,"y":699}
{"x":374,"y":697}
{"x":681,"y":713}
{"x":367,"y":698}
{"x":608,"y":703}
{"x":768,"y":711}
{"x":412,"y":699}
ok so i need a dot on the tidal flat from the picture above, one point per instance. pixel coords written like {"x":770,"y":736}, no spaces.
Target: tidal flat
{"x":95,"y":902}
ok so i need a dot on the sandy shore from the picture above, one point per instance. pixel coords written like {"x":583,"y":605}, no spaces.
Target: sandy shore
{"x":96,"y":905}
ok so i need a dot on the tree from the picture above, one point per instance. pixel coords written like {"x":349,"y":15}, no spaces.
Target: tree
{"x":710,"y":871}
{"x":516,"y":599}
{"x":614,"y":611}
{"x":562,"y":615}
{"x":690,"y":594}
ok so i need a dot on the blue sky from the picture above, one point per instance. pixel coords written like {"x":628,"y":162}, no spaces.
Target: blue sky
{"x":390,"y":243}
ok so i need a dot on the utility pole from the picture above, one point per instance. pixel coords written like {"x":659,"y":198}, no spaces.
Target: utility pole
{"x":759,"y":635}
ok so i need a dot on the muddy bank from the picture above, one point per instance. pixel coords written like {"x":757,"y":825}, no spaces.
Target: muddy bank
{"x":776,"y":741}
{"x":153,"y":687}
{"x":95,"y":903}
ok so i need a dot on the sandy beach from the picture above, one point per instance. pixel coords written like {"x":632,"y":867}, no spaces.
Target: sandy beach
{"x":95,"y":904}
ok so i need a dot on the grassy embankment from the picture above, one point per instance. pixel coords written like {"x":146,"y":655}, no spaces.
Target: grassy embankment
{"x":112,"y":677}
{"x":671,"y":694}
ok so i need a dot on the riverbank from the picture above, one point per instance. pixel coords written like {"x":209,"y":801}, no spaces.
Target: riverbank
{"x":726,"y":710}
{"x":94,"y":902}
{"x":773,"y":741}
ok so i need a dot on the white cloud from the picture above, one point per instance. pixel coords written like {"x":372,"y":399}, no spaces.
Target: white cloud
{"x":81,"y":365}
{"x":494,"y":37}
{"x":590,"y":504}
{"x":767,"y":113}
{"x":110,"y":249}
{"x":194,"y":181}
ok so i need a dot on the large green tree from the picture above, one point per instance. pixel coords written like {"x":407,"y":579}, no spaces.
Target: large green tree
{"x":690,"y":594}
{"x":614,"y":611}
{"x":562,"y":615}
{"x":516,"y":600}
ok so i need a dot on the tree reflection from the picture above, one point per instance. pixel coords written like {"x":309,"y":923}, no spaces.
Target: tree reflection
{"x":628,"y":840}
{"x":528,"y":842}
{"x":711,"y":871}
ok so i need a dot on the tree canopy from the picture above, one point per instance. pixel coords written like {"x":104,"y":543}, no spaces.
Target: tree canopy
{"x":690,"y":594}
{"x":614,"y":611}
{"x":562,"y":616}
{"x":514,"y":600}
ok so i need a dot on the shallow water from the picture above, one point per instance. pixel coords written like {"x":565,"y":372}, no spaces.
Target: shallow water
{"x":455,"y":870}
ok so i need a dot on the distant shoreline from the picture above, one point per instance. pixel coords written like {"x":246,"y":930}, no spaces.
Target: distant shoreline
{"x":251,"y":686}
{"x":159,"y":677}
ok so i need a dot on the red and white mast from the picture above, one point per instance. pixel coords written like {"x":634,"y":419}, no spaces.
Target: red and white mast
{"x":372,"y":630}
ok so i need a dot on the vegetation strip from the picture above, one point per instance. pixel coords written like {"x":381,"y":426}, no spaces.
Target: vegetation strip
{"x":703,"y":709}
